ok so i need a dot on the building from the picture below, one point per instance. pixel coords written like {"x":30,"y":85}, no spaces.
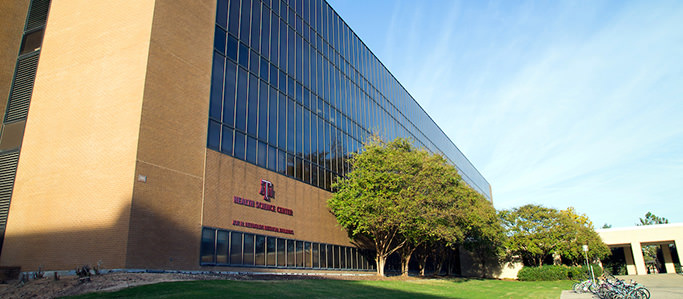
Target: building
{"x":189,"y":134}
{"x":627,"y":243}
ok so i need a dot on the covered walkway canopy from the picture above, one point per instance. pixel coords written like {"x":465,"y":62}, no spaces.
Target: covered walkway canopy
{"x":632,"y":238}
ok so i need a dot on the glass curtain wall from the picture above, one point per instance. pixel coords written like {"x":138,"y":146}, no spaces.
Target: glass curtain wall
{"x":294,"y":90}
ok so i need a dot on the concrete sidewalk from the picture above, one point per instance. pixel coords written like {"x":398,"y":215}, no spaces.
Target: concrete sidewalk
{"x":660,"y":286}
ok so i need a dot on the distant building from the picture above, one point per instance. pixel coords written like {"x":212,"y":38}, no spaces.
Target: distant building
{"x":189,"y":134}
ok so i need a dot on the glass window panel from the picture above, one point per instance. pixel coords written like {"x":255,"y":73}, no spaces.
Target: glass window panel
{"x":282,"y":82}
{"x":244,"y":21}
{"x":342,"y":257}
{"x":248,"y":258}
{"x":260,"y":249}
{"x":216,"y":86}
{"x":282,"y":122}
{"x":275,"y":6}
{"x":299,"y":169}
{"x":281,"y":253}
{"x":283,"y":45}
{"x":306,"y":133}
{"x":273,"y":75}
{"x":254,"y":60}
{"x":252,"y":116}
{"x":262,"y":154}
{"x":307,"y":255}
{"x":264,"y":69}
{"x":290,"y":165}
{"x":243,"y":55}
{"x":226,"y":141}
{"x":263,"y":112}
{"x":291,"y":259}
{"x":235,"y":248}
{"x":323,"y":256}
{"x":255,"y":24}
{"x":239,"y":150}
{"x":251,"y":149}
{"x":222,"y":241}
{"x":222,"y":13}
{"x":291,"y":50}
{"x":241,"y":101}
{"x":31,"y":42}
{"x":265,"y":31}
{"x":214,"y":135}
{"x":232,"y":48}
{"x":315,"y":252}
{"x":281,"y":162}
{"x":290,"y":87}
{"x":229,"y":94}
{"x":272,"y":117}
{"x":299,"y":130}
{"x":208,"y":249}
{"x":291,"y":128}
{"x":272,"y":158}
{"x":274,"y":42}
{"x":299,"y":254}
{"x":233,"y":21}
{"x":271,"y":252}
{"x":333,"y":256}
{"x":219,"y":40}
{"x":307,"y":172}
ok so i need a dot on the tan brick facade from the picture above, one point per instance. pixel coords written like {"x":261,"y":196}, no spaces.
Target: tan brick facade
{"x":121,"y":94}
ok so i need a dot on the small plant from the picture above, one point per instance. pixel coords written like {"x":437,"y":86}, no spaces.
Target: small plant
{"x":97,"y":269}
{"x":83,"y":273}
{"x":39,"y":274}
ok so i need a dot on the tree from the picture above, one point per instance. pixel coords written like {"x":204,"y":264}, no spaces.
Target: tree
{"x":536,"y":232}
{"x":371,"y":202}
{"x":578,"y":231}
{"x":399,"y":198}
{"x":606,"y":226}
{"x":651,"y":219}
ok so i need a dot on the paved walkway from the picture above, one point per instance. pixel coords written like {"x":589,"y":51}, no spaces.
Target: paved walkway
{"x":661,"y":286}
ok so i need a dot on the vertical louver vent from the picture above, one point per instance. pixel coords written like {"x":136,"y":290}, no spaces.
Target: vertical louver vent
{"x":37,"y":14}
{"x":17,"y":107}
{"x":8,"y":167}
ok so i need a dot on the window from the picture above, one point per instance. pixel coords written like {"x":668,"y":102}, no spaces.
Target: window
{"x":271,"y":251}
{"x":208,"y":248}
{"x":222,"y":241}
{"x":235,"y":248}
{"x":248,"y":255}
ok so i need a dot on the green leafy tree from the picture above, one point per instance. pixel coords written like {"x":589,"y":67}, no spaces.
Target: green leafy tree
{"x":536,"y":232}
{"x":399,"y":198}
{"x":578,"y":231}
{"x":372,"y":202}
{"x":651,"y":219}
{"x":606,"y":226}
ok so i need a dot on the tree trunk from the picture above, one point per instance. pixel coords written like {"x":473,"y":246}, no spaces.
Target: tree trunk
{"x":406,"y":252}
{"x":381,"y":261}
{"x":423,"y":264}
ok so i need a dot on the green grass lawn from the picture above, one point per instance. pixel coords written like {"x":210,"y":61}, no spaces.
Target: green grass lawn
{"x":424,"y":288}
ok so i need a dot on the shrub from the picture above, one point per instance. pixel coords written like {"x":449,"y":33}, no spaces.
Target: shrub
{"x":547,"y":272}
{"x":552,"y":272}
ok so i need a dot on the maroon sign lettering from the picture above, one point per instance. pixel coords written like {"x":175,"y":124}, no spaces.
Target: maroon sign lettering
{"x":263,"y":227}
{"x":267,"y":190}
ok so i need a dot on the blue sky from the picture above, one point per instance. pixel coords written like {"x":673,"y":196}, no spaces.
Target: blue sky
{"x":576,"y":103}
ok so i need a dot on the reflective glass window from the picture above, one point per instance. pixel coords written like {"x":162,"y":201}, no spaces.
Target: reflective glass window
{"x":229,"y":94}
{"x":271,"y":251}
{"x":244,"y":20}
{"x":251,"y":149}
{"x":248,"y":255}
{"x":233,"y":21}
{"x":260,"y":250}
{"x":291,"y":257}
{"x":222,"y":13}
{"x":299,"y":254}
{"x":208,"y":249}
{"x":255,"y":24}
{"x":226,"y":141}
{"x":214,"y":135}
{"x":262,"y":154}
{"x":281,"y":253}
{"x":239,"y":148}
{"x":263,"y":111}
{"x":222,"y":241}
{"x":219,"y":40}
{"x":272,"y":117}
{"x":241,"y":101}
{"x":236,"y":248}
{"x":315,"y":252}
{"x":216,"y":86}
{"x":307,"y":255}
